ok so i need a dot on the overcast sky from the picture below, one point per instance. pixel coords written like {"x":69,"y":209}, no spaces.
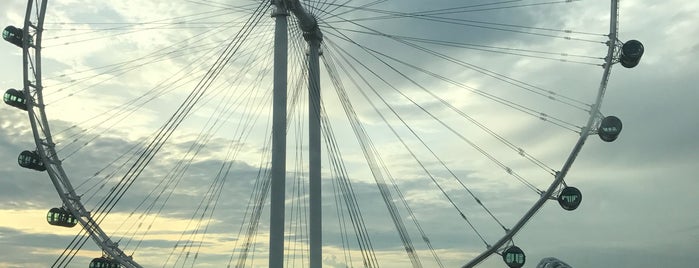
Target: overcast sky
{"x":639,"y":194}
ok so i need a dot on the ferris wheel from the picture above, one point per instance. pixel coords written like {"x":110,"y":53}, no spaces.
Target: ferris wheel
{"x":169,"y":131}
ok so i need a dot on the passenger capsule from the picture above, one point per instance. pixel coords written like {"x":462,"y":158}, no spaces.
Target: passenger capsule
{"x":13,"y":35}
{"x":570,"y":198}
{"x":31,"y":160}
{"x":61,"y":217}
{"x":15,"y":98}
{"x":103,"y":262}
{"x":631,"y":53}
{"x":552,"y":262}
{"x":514,"y":257}
{"x":609,"y":129}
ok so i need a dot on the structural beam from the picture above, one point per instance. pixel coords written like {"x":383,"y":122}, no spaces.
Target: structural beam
{"x":278,"y":185}
{"x":314,"y":156}
{"x":313,"y":36}
{"x":309,"y":25}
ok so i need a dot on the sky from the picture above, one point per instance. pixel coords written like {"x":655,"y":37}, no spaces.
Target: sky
{"x":638,"y":192}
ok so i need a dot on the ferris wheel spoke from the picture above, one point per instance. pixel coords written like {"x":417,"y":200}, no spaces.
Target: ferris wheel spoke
{"x":422,"y":141}
{"x":420,"y":163}
{"x":162,"y":136}
{"x":350,"y":200}
{"x":468,"y":141}
{"x":546,"y":55}
{"x":432,"y":15}
{"x":125,"y":111}
{"x":527,"y":87}
{"x":128,"y":28}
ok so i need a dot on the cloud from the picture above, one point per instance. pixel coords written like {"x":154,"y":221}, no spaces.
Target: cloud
{"x":635,"y":189}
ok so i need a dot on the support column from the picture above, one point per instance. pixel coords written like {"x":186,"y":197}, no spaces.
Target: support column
{"x":278,"y":185}
{"x":314,"y":156}
{"x":309,"y":25}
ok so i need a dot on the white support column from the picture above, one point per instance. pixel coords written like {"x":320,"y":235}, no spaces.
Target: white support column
{"x":314,"y":158}
{"x":314,"y":37}
{"x":278,"y":186}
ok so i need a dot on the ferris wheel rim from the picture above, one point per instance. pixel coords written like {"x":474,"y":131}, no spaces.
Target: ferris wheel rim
{"x":46,"y":147}
{"x":595,"y":114}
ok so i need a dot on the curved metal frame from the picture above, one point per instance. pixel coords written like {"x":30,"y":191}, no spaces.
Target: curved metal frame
{"x":43,"y":139}
{"x":589,"y":129}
